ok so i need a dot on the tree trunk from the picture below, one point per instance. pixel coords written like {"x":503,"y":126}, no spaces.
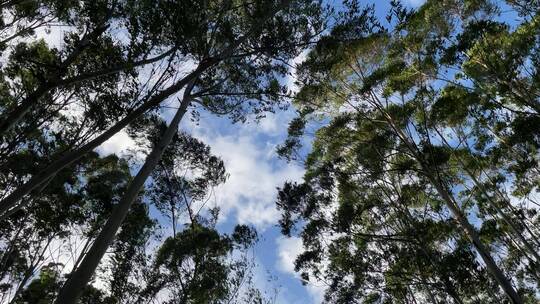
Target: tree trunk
{"x":11,"y":200}
{"x":473,"y":236}
{"x":528,"y":246}
{"x":76,"y":282}
{"x":468,"y":229}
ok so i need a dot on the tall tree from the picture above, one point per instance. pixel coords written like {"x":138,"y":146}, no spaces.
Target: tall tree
{"x":269,"y":21}
{"x":274,"y":41}
{"x":410,"y":105}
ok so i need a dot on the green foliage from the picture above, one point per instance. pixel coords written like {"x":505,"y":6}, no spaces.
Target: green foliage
{"x":41,"y":290}
{"x":452,"y":106}
{"x":428,"y":144}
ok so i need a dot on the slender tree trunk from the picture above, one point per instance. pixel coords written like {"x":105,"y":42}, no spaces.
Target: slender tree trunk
{"x":472,"y":234}
{"x":528,"y":246}
{"x":82,"y":254}
{"x":6,"y":254}
{"x":19,"y":207}
{"x":27,"y":275}
{"x":76,"y":282}
{"x":411,"y":292}
{"x":508,"y":221}
{"x":32,"y":269}
{"x":448,"y":198}
{"x":11,"y":200}
{"x":427,"y":289}
{"x":173,"y":221}
{"x":114,"y":69}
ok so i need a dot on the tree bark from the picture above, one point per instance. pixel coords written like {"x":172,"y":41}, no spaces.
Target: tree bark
{"x":473,"y":236}
{"x":76,"y":282}
{"x":528,"y":246}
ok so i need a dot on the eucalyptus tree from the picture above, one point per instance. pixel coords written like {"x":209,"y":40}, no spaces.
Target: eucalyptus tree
{"x":26,"y":92}
{"x":184,"y":179}
{"x":196,"y":265}
{"x":137,"y":266}
{"x":227,"y":41}
{"x":64,"y":217}
{"x":419,"y":135}
{"x":262,"y":44}
{"x":21,"y":19}
{"x":271,"y":31}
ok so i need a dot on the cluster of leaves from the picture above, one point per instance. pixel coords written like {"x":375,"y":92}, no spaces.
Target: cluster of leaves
{"x":422,"y":185}
{"x":66,"y":216}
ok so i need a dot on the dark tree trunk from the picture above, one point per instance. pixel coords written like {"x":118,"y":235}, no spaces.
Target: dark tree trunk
{"x":76,"y":282}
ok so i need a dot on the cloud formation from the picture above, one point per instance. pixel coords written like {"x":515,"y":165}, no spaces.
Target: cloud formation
{"x":415,"y":3}
{"x":253,"y":168}
{"x":117,"y":144}
{"x":288,"y":249}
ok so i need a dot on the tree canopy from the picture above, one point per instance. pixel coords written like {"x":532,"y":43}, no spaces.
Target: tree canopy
{"x":417,"y":128}
{"x":421,"y":186}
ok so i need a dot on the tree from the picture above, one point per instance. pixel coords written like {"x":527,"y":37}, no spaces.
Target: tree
{"x":48,"y":236}
{"x":276,"y":40}
{"x":282,"y":47}
{"x":192,"y":265}
{"x":62,"y":102}
{"x":132,"y":271}
{"x":405,"y":147}
{"x":173,"y":191}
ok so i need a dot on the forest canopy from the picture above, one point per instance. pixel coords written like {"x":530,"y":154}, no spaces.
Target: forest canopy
{"x":417,"y":130}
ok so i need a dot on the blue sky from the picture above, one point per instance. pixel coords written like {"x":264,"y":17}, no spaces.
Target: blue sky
{"x":248,"y":197}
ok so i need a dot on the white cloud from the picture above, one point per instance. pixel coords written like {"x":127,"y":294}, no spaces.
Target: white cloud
{"x":54,"y":36}
{"x":416,"y":3}
{"x":254,"y":175}
{"x":248,"y":151}
{"x":117,"y":144}
{"x":288,"y":249}
{"x":269,"y":124}
{"x":290,"y":80}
